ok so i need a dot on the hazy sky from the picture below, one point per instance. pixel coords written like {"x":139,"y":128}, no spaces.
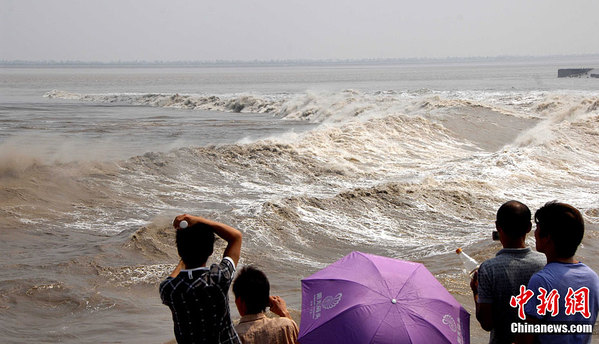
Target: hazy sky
{"x":111,"y":30}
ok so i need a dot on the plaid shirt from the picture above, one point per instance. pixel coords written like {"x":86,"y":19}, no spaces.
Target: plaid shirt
{"x":199,"y":302}
{"x":499,"y":279}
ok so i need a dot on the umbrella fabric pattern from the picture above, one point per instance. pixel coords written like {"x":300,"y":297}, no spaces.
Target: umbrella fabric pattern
{"x":364,"y":298}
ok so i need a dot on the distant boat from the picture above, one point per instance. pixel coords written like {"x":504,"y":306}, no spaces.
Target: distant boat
{"x":578,"y":72}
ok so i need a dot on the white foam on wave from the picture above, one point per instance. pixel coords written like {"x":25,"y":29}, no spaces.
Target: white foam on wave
{"x":368,"y":139}
{"x":558,"y":158}
{"x":536,"y":168}
{"x":383,"y":147}
{"x":391,"y":220}
{"x":224,"y":103}
{"x":133,"y":275}
{"x":326,"y":106}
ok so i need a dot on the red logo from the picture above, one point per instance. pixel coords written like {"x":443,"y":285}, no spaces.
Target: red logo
{"x":574,"y":302}
{"x":549,"y":302}
{"x":577,"y":301}
{"x":520,"y":300}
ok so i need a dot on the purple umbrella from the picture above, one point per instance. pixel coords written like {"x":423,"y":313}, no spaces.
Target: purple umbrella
{"x":363,"y":298}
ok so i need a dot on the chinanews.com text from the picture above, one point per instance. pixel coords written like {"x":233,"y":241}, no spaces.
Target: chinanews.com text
{"x":554,"y":328}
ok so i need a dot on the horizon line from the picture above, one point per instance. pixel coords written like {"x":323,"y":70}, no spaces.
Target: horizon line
{"x":5,"y":62}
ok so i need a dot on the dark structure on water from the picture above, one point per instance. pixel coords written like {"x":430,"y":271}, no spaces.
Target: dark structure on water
{"x":577,"y":72}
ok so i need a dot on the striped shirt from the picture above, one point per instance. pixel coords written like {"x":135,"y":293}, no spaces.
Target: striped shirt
{"x":199,"y":302}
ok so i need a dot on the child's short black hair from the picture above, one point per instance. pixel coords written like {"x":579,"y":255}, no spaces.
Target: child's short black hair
{"x":195,"y":244}
{"x":251,"y":285}
{"x":564,"y":224}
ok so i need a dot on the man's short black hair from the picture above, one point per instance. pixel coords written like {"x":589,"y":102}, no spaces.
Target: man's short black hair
{"x":251,"y":285}
{"x":195,"y":244}
{"x":514,"y":219}
{"x":564,"y":224}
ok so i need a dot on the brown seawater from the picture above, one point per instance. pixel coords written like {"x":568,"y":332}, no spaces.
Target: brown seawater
{"x":310,"y":163}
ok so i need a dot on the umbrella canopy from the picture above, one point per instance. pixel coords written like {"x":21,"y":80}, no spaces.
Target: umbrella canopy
{"x":364,"y":298}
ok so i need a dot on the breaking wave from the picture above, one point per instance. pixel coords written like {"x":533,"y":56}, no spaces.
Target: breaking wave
{"x":387,"y":169}
{"x":350,"y":104}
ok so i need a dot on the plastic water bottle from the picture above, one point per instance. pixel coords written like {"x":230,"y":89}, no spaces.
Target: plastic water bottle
{"x":183,"y":224}
{"x":470,"y":265}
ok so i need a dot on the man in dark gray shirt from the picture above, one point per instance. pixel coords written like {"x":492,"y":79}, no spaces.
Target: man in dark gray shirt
{"x":500,"y":278}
